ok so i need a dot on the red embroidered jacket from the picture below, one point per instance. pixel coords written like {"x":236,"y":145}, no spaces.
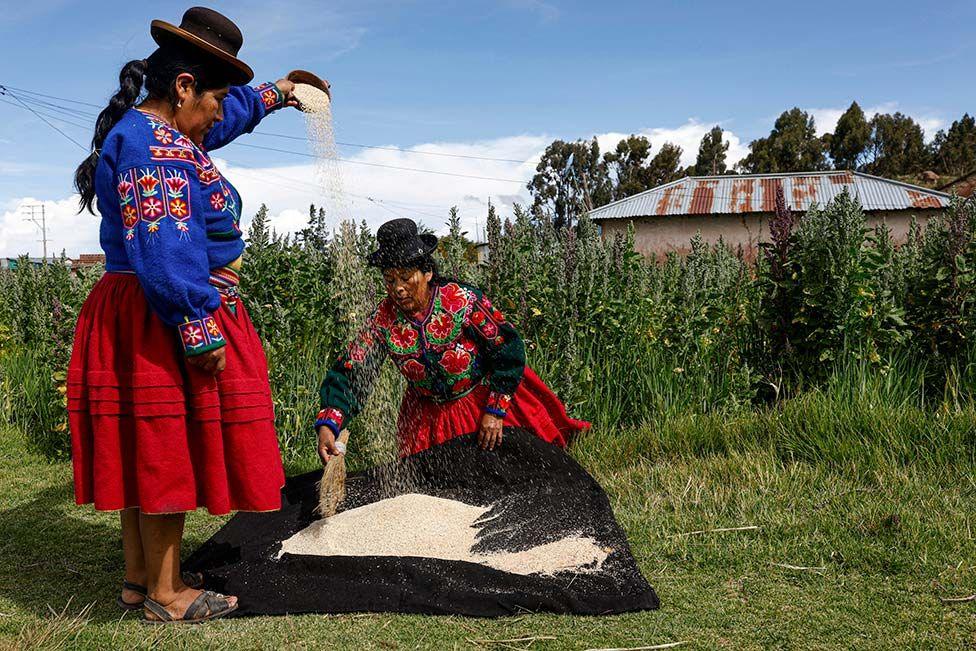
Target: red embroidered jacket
{"x":462,"y":341}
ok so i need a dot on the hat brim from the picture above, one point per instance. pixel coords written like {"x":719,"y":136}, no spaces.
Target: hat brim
{"x":388,"y":259}
{"x":166,"y":33}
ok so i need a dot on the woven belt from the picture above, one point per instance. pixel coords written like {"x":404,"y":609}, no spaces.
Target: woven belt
{"x":226,"y":281}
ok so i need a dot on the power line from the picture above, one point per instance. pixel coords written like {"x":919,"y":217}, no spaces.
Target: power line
{"x":80,"y":113}
{"x":62,"y":99}
{"x":399,"y":149}
{"x":53,"y":117}
{"x":6,"y":91}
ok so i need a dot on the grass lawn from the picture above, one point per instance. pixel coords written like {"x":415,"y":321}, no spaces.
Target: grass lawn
{"x":881,"y":546}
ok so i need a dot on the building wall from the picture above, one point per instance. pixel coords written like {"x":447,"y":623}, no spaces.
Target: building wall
{"x":661,"y":235}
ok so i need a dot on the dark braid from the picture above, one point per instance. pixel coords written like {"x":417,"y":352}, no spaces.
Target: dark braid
{"x":130,"y":88}
{"x":156,"y":75}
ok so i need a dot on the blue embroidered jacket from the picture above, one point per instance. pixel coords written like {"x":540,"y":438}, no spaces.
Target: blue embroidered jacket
{"x":170,"y":217}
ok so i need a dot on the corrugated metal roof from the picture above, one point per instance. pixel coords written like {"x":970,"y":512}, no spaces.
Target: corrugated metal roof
{"x":746,"y":193}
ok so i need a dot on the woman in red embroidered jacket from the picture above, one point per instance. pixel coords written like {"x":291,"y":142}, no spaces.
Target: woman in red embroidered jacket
{"x":464,"y":363}
{"x":169,"y":403}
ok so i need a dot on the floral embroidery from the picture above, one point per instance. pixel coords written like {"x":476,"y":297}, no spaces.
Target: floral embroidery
{"x":453,"y":298}
{"x":178,"y":208}
{"x":150,"y":194}
{"x":152,"y":207}
{"x":413,"y":370}
{"x":357,"y":353}
{"x":213,"y":329}
{"x":461,"y":385}
{"x":485,"y":326}
{"x":271,"y":96}
{"x":200,"y":334}
{"x":148,"y":182}
{"x":175,"y":182}
{"x":192,"y":334}
{"x":124,"y":187}
{"x":163,"y":135}
{"x":456,"y":361}
{"x":217,"y":200}
{"x":385,"y":315}
{"x":441,"y":326}
{"x":403,"y":338}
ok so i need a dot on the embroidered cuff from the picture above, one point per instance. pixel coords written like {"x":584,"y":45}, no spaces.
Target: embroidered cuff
{"x":271,"y":96}
{"x":200,"y":336}
{"x":331,"y":418}
{"x":498,"y":404}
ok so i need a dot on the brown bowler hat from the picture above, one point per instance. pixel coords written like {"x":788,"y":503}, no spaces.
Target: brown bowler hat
{"x":212,"y":34}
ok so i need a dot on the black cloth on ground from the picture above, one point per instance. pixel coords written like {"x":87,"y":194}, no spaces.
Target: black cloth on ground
{"x":538,"y":491}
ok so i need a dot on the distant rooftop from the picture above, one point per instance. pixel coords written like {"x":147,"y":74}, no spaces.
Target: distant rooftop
{"x":752,"y":193}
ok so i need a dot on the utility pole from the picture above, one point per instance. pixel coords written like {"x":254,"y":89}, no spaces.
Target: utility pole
{"x":42,"y":224}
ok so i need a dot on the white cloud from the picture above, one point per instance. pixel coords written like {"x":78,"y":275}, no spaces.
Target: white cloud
{"x":66,"y":228}
{"x":688,"y":136}
{"x":373,"y":193}
{"x":825,"y":119}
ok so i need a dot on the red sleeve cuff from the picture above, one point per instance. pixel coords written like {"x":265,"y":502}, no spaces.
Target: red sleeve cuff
{"x":200,"y":336}
{"x":498,"y":404}
{"x":331,"y":418}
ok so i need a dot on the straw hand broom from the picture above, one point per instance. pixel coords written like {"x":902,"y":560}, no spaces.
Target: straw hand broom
{"x":332,"y":486}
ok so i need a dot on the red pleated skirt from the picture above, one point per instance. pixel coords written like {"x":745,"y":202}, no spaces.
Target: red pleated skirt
{"x":152,"y":432}
{"x":423,"y":423}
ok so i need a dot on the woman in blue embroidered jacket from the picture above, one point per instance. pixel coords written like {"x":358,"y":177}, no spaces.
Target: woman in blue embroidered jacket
{"x":464,"y":363}
{"x":169,"y":403}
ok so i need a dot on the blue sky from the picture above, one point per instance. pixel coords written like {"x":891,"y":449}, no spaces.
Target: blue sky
{"x":497,"y":79}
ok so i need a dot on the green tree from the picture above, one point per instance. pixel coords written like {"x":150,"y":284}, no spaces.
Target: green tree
{"x":570,"y":179}
{"x":897,"y":146}
{"x":850,"y":140}
{"x":627,"y":167}
{"x":666,"y":164}
{"x":792,"y":146}
{"x":955,"y":151}
{"x":712,"y":153}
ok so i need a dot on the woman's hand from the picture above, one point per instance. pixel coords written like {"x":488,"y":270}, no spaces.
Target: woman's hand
{"x":287,"y":88}
{"x":212,"y":361}
{"x":490,"y":435}
{"x":327,"y":445}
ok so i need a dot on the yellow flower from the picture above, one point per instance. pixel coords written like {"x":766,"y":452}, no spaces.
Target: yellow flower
{"x":678,"y":369}
{"x":536,"y":312}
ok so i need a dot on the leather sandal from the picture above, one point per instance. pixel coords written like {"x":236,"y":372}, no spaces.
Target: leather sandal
{"x":131,"y":587}
{"x":207,"y":606}
{"x":190,"y":579}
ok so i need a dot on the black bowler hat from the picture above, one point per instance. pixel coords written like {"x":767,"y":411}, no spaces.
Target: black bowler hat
{"x":400,"y":244}
{"x":210,"y":34}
